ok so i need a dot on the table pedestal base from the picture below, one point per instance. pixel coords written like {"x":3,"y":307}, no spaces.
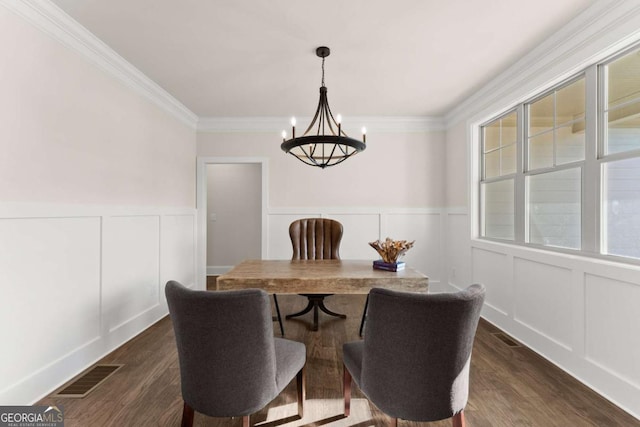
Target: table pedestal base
{"x":316,"y":301}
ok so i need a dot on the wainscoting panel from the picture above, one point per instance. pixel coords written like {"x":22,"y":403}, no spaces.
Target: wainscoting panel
{"x":580,"y":313}
{"x":359,"y":230}
{"x":177,"y":251}
{"x":458,"y":252}
{"x":494,"y":270}
{"x":77,"y":282}
{"x":426,"y":230}
{"x":613,"y":326}
{"x":50,"y":304}
{"x":131,"y":268}
{"x":543,"y":285}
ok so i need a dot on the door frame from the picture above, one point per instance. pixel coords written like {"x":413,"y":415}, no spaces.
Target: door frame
{"x":201,"y":206}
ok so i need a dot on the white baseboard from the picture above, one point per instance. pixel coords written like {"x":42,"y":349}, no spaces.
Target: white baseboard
{"x":217,"y":270}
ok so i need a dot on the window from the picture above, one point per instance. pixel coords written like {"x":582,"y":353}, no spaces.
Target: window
{"x":620,"y":121}
{"x":556,"y":150}
{"x":562,"y":170}
{"x":499,"y":148}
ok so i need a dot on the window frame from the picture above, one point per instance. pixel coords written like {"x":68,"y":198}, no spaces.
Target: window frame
{"x":592,"y":167}
{"x":528,"y":172}
{"x":499,"y":178}
{"x":603,"y":158}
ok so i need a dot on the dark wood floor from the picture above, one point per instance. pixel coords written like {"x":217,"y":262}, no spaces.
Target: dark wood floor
{"x":509,"y":386}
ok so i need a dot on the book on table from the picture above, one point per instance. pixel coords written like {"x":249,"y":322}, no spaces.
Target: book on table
{"x":394,"y":266}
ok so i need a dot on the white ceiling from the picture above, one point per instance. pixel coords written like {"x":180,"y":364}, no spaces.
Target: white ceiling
{"x":256,"y":58}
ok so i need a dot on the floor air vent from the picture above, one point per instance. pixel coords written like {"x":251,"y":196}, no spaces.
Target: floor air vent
{"x":506,"y":339}
{"x":88,"y":381}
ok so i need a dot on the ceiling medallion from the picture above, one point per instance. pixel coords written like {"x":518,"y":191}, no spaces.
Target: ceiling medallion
{"x":324,"y":143}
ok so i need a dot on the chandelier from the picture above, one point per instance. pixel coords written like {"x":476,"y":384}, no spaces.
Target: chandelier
{"x":324,"y":143}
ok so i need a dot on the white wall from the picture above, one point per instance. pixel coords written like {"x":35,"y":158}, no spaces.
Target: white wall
{"x":396,"y":169}
{"x":578,"y":312}
{"x":394,"y":188}
{"x":97,"y":194}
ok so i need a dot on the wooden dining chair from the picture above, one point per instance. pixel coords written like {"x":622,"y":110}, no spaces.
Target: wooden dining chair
{"x":414,"y":360}
{"x":231,"y":365}
{"x":315,"y":239}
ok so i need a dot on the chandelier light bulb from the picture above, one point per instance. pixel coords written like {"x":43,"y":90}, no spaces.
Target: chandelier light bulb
{"x":339,"y":119}
{"x":284,"y":135}
{"x":293,"y":121}
{"x":364,"y":134}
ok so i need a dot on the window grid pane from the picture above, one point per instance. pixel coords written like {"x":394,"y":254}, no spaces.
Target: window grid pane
{"x":541,"y":151}
{"x":621,"y":208}
{"x":498,"y":209}
{"x":623,"y":84}
{"x":492,"y":164}
{"x":491,"y":137}
{"x":541,"y":115}
{"x":623,"y":129}
{"x":555,"y":208}
{"x":556,"y":127}
{"x":570,"y":102}
{"x":570,"y":143}
{"x":508,"y":159}
{"x":498,"y":137}
{"x":621,"y":119}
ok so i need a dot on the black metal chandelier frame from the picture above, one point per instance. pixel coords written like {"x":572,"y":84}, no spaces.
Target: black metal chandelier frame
{"x":324,"y":143}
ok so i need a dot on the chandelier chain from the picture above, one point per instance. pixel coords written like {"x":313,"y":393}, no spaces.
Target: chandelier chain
{"x":323,"y":71}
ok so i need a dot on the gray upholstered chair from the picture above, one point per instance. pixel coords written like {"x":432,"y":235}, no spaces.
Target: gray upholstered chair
{"x":230,"y":363}
{"x":315,"y":238}
{"x":414,"y":360}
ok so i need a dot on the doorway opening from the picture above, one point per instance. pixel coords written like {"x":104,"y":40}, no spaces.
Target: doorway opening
{"x":232,"y":213}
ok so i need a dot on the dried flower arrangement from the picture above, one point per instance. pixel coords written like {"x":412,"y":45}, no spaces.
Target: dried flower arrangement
{"x":391,"y":250}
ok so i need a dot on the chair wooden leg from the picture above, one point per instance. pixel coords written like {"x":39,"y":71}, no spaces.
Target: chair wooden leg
{"x":246,"y":421}
{"x":393,"y":422}
{"x":458,"y":420}
{"x":346,"y":390}
{"x":364,"y":316}
{"x":301,"y":385}
{"x":275,"y":300}
{"x":187,"y":415}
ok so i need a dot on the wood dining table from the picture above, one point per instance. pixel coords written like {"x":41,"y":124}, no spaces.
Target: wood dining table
{"x":328,"y":276}
{"x":319,"y":277}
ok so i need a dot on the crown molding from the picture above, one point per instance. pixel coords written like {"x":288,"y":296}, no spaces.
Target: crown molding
{"x":53,"y":21}
{"x":600,"y":30}
{"x":350,"y":124}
